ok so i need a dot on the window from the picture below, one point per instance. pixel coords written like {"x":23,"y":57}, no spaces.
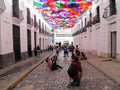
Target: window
{"x":28,"y":16}
{"x":98,"y":11}
{"x":112,"y":7}
{"x":15,"y":8}
{"x":85,"y":22}
{"x":42,"y":27}
{"x":35,"y":21}
{"x":39,"y":25}
{"x":90,"y":16}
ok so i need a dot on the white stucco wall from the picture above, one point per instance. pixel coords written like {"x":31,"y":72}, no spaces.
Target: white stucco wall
{"x":6,"y":29}
{"x":23,"y":35}
{"x":6,"y":37}
{"x":98,"y":37}
{"x":118,"y":28}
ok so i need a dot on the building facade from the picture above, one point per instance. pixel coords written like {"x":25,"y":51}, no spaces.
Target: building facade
{"x":21,"y":30}
{"x":98,"y":32}
{"x":63,"y":36}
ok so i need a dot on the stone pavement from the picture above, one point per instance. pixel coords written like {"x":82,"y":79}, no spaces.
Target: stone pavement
{"x":41,"y":79}
{"x":10,"y":74}
{"x":110,"y":67}
{"x":93,"y":79}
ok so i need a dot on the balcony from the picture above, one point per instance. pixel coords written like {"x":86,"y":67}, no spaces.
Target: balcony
{"x":96,"y":20}
{"x":30,"y":22}
{"x":18,"y":16}
{"x":84,"y":29}
{"x":109,"y":11}
{"x":48,"y":34}
{"x":36,"y":25}
{"x":2,"y":6}
{"x":77,"y":32}
{"x":42,"y":31}
{"x":89,"y":23}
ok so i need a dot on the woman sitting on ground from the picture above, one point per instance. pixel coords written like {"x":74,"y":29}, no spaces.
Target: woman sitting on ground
{"x":55,"y":57}
{"x":54,"y":65}
{"x":51,"y":63}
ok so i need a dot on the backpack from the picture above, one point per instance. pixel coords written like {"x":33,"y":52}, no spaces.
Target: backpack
{"x":72,"y":70}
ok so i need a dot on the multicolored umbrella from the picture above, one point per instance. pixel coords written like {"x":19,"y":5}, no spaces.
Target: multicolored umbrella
{"x":62,"y":13}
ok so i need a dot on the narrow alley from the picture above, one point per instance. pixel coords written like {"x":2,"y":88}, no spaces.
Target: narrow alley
{"x":41,"y":79}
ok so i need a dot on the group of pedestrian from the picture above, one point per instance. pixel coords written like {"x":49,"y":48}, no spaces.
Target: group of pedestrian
{"x":75,"y":69}
{"x":37,"y":51}
{"x":50,"y":47}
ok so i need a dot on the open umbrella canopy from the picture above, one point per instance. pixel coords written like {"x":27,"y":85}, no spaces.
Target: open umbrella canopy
{"x":62,"y":13}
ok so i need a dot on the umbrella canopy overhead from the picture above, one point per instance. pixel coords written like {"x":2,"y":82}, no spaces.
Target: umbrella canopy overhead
{"x":62,"y":13}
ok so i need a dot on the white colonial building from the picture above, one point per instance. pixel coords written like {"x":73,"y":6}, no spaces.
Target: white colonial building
{"x":21,"y":29}
{"x":98,"y":31}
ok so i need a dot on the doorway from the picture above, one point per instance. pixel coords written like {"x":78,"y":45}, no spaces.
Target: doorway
{"x":113,"y":44}
{"x":35,"y":39}
{"x":29,"y":43}
{"x":16,"y":43}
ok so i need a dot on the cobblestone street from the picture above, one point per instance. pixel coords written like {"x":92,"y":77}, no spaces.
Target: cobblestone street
{"x":41,"y":79}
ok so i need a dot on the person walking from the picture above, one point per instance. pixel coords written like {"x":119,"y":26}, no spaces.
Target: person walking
{"x":65,"y":49}
{"x":72,"y":49}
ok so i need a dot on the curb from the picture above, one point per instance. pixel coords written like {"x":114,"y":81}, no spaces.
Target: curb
{"x":26,"y":72}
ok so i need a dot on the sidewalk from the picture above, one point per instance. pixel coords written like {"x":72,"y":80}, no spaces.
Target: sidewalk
{"x":13,"y":74}
{"x":109,"y":67}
